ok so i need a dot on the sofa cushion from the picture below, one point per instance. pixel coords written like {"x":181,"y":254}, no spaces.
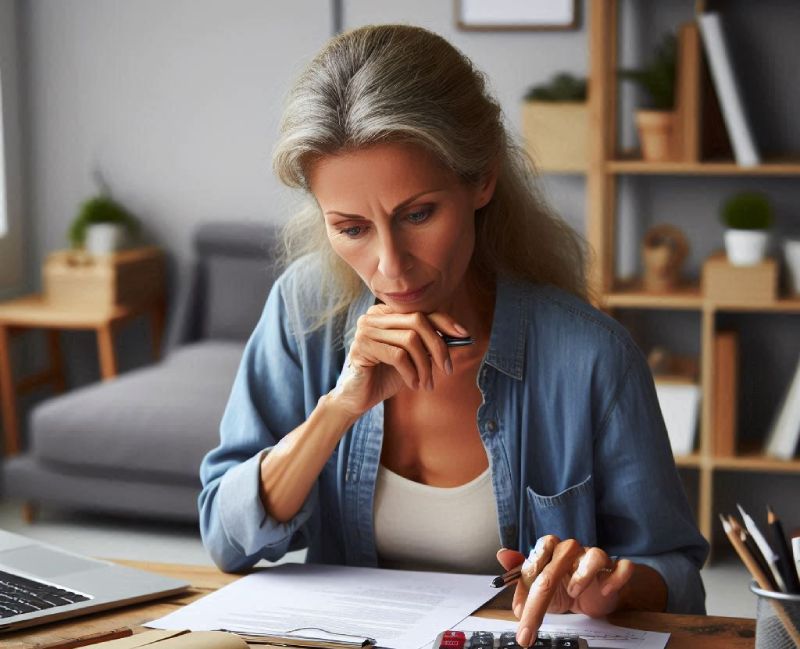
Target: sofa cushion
{"x":157,"y":421}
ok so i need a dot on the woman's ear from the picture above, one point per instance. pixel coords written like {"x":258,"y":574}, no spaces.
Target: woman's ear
{"x":486,"y":187}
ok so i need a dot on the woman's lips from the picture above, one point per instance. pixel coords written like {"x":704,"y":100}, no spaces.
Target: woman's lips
{"x":409,"y":296}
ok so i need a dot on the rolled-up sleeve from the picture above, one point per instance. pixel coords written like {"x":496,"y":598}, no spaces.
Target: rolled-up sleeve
{"x":642,"y":509}
{"x":266,"y":403}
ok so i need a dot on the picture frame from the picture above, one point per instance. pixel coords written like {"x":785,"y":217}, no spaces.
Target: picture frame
{"x":516,"y":15}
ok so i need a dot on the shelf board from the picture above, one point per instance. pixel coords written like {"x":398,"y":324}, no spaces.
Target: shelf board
{"x":631,"y":295}
{"x":756,"y":462}
{"x":693,"y":460}
{"x":633,"y":164}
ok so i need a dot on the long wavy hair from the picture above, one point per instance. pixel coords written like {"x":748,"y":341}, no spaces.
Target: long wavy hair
{"x":398,"y":83}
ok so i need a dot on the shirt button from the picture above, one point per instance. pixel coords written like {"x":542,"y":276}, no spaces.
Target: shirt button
{"x":491,"y":425}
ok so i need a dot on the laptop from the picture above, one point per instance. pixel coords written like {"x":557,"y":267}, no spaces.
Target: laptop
{"x":40,"y":583}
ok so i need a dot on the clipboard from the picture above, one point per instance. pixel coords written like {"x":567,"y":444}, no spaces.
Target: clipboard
{"x":292,"y":638}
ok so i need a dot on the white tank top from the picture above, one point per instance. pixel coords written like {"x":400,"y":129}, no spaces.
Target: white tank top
{"x":449,"y":529}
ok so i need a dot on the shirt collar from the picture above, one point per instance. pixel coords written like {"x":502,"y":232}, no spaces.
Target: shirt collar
{"x":506,"y":350}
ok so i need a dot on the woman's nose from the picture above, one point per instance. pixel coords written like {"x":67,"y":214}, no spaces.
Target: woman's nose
{"x":393,"y":259}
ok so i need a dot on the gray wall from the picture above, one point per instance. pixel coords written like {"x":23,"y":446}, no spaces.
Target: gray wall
{"x":12,"y":251}
{"x":177,"y":103}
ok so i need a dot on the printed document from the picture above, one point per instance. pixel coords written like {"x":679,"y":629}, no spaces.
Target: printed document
{"x":597,"y":633}
{"x":400,"y":609}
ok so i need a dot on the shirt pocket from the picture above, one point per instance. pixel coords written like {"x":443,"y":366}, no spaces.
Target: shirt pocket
{"x":569,"y":514}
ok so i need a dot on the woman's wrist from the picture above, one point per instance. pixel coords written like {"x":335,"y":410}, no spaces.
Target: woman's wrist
{"x":333,"y":409}
{"x":645,"y":591}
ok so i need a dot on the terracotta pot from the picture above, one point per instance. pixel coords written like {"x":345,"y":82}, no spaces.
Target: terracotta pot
{"x":656,"y":129}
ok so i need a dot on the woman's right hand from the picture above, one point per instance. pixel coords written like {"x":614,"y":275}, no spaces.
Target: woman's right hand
{"x":391,"y":350}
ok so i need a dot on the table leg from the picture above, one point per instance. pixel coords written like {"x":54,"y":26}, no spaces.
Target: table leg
{"x":56,"y":361}
{"x":157,"y":317}
{"x":8,"y":401}
{"x":105,"y":348}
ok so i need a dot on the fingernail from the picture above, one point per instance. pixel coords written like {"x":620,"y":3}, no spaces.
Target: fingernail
{"x":524,"y":637}
{"x":605,"y":591}
{"x":572,"y":591}
{"x":460,"y":329}
{"x":448,"y":367}
{"x":518,"y":611}
{"x":430,"y":384}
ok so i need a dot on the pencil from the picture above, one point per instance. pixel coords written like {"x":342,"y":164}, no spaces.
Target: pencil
{"x":760,"y":578}
{"x":770,"y":557}
{"x":754,"y":551}
{"x":782,"y":548}
{"x":90,"y":639}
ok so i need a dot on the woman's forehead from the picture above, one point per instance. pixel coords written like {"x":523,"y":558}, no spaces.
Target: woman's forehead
{"x":378,"y":167}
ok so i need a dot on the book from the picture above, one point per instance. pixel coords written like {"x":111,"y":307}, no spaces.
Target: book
{"x":679,"y":403}
{"x":726,"y":380}
{"x":785,"y":430}
{"x":719,"y":61}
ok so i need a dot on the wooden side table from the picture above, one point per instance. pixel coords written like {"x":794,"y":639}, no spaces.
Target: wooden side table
{"x":39,"y":312}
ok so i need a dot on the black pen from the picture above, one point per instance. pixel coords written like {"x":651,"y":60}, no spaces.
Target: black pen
{"x":453,"y":341}
{"x":507,"y":578}
{"x":785,"y":554}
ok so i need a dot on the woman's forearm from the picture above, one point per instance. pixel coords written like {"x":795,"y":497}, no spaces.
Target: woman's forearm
{"x":290,"y":469}
{"x":646,"y":591}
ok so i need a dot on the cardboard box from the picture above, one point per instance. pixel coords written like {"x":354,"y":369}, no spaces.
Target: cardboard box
{"x":556,"y":135}
{"x":126,"y":278}
{"x":724,"y":283}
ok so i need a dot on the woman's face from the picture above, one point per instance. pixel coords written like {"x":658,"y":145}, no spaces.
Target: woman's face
{"x":401,"y":220}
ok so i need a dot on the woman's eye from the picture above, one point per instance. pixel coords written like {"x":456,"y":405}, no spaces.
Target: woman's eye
{"x":420,"y":215}
{"x":352,"y":232}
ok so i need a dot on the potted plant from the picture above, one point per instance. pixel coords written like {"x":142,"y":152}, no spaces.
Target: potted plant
{"x":656,"y":123}
{"x":101,"y":226}
{"x":555,"y":123}
{"x":747,"y":217}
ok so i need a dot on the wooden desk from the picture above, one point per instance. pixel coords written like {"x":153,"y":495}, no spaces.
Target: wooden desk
{"x":34,"y":312}
{"x":688,"y":631}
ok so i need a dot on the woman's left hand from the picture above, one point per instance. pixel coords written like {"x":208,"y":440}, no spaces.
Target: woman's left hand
{"x":561,"y":576}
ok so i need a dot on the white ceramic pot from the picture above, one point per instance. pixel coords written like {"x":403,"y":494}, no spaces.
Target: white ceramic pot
{"x":746,"y":247}
{"x":104,"y":238}
{"x":791,"y":252}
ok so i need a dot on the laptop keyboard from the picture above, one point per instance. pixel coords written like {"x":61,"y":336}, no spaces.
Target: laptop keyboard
{"x":20,"y":595}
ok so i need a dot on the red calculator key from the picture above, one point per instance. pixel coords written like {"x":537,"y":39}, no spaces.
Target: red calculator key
{"x":453,"y":640}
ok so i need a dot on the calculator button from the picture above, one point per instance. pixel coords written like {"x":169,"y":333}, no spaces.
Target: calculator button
{"x":508,"y":639}
{"x":453,"y":640}
{"x":569,"y":642}
{"x":543,"y":641}
{"x":481,"y":640}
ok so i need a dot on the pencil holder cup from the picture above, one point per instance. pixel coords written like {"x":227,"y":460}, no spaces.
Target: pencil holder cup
{"x":777,"y":619}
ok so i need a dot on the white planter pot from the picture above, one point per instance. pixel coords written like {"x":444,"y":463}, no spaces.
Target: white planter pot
{"x":746,"y":247}
{"x":104,"y":238}
{"x":791,"y":252}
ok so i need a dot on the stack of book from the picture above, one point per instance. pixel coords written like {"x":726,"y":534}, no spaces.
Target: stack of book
{"x":784,"y":434}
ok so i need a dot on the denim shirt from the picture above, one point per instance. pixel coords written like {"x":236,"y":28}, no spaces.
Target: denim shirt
{"x":570,"y":421}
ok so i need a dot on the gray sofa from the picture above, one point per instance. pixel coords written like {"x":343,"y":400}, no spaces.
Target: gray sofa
{"x":133,"y":445}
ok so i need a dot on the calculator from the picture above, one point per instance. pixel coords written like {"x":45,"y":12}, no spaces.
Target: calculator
{"x":507,"y":640}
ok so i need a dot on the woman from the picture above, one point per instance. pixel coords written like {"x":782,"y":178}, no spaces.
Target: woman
{"x":354,"y":430}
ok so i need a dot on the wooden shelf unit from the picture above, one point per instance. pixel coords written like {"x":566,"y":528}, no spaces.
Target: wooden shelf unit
{"x":605,"y":166}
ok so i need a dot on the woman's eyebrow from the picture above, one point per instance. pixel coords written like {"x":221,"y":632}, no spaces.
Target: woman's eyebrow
{"x":396,"y":209}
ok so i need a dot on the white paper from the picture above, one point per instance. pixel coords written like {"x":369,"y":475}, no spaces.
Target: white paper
{"x":399,"y":608}
{"x":597,"y":633}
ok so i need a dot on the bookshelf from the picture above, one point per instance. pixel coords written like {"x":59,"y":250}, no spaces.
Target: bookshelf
{"x":606,"y":165}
